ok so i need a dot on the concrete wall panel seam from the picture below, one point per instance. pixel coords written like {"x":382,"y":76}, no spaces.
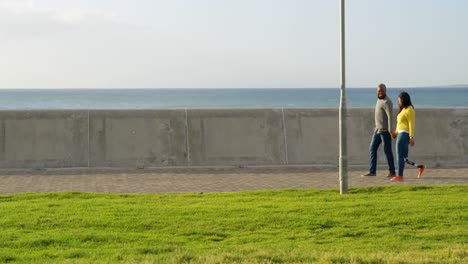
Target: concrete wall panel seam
{"x":187,"y":143}
{"x":3,"y":141}
{"x":88,"y":140}
{"x":285,"y":137}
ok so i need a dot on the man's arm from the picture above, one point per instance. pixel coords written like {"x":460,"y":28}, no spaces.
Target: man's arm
{"x":389,"y":112}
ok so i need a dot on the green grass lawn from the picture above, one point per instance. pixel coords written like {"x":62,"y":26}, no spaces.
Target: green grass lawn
{"x":395,"y":224}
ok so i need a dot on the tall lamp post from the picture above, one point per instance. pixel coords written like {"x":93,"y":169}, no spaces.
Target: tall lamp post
{"x":343,"y":159}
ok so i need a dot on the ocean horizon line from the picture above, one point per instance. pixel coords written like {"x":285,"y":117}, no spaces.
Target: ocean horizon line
{"x":457,"y":86}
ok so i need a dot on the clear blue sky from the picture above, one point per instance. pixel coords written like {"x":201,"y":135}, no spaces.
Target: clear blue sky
{"x":230,"y":43}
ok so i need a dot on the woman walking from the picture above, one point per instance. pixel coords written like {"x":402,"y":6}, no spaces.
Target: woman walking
{"x":404,"y":135}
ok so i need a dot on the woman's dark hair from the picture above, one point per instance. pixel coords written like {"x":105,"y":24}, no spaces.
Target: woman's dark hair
{"x":405,"y":100}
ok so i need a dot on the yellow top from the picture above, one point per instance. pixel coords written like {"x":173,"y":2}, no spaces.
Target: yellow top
{"x":405,"y":120}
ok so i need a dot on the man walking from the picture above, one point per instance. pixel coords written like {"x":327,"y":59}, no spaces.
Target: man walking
{"x":382,"y":132}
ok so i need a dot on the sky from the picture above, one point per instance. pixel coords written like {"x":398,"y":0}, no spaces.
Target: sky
{"x":231,"y":43}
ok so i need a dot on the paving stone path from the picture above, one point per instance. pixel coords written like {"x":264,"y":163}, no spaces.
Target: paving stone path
{"x":185,"y":180}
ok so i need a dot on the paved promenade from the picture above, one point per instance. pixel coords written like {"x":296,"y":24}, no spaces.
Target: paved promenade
{"x":207,"y":179}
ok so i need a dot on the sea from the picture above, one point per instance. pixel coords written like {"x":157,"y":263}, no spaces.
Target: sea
{"x":136,"y":98}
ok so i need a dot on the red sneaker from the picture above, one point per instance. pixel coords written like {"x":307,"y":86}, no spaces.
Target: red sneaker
{"x":397,"y":178}
{"x":420,"y":171}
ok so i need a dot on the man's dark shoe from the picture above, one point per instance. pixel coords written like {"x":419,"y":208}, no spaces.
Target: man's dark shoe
{"x":368,"y":174}
{"x":390,"y":175}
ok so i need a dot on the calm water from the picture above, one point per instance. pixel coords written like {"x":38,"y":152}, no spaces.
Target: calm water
{"x":218,"y":98}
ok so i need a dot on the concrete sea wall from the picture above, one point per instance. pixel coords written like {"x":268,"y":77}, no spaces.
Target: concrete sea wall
{"x":214,"y":137}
